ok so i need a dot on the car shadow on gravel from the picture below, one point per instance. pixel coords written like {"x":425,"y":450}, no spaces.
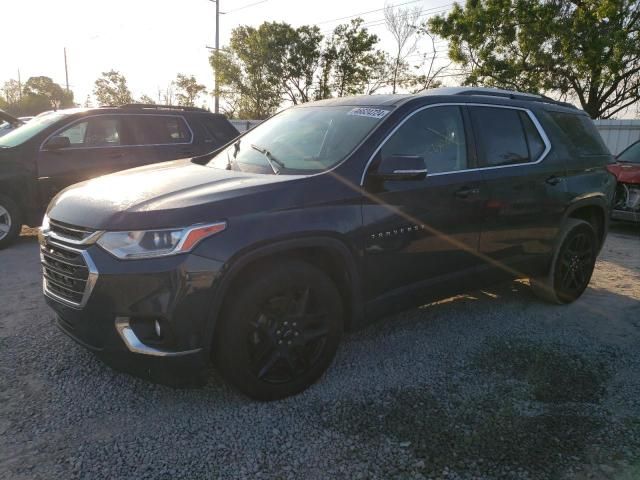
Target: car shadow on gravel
{"x":518,"y":409}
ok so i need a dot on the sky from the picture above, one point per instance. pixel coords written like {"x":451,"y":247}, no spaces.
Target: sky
{"x":150,"y":41}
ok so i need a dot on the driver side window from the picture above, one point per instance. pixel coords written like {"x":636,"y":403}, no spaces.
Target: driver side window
{"x":436,"y":134}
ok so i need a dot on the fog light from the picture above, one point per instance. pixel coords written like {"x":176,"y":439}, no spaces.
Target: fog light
{"x":156,"y":324}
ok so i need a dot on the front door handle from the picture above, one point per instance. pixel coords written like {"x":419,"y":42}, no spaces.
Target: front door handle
{"x":464,"y":192}
{"x":553,"y":180}
{"x":115,"y":155}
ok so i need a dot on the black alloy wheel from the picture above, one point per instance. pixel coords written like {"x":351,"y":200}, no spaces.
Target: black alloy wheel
{"x":288,"y":335}
{"x":575,"y":263}
{"x":280,"y":329}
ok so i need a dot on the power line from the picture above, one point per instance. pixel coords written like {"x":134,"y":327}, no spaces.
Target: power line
{"x":382,"y":21}
{"x":244,"y":6}
{"x":382,"y":9}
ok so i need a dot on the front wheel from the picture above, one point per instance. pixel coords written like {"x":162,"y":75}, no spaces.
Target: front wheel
{"x":572,"y":265}
{"x":10,"y":221}
{"x":280,"y":330}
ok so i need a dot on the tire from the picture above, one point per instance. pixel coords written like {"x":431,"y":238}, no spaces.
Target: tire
{"x":280,"y":330}
{"x":10,"y":221}
{"x":572,"y":264}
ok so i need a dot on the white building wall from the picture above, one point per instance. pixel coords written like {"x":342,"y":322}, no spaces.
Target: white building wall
{"x":618,"y":134}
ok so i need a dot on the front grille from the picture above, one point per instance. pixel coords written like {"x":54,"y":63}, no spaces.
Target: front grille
{"x":69,"y":233}
{"x":66,"y":273}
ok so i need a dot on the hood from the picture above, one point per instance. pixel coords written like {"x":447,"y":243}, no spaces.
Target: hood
{"x":170,"y":194}
{"x":626,"y":172}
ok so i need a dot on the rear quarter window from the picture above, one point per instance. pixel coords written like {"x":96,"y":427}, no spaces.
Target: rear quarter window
{"x":581,"y":133}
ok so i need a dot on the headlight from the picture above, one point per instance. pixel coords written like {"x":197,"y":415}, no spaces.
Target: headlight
{"x":156,"y":243}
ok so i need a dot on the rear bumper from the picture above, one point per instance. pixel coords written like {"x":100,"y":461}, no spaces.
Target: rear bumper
{"x":625,"y":215}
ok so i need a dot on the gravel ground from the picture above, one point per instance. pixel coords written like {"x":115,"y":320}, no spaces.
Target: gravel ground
{"x":493,"y":384}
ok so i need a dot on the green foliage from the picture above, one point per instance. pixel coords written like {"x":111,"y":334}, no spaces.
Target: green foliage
{"x":587,"y":49}
{"x":350,"y":61}
{"x":10,"y":92}
{"x":187,"y":90}
{"x":38,"y":95}
{"x":264,"y":66}
{"x":47,"y":90}
{"x":111,"y":89}
{"x":146,"y":99}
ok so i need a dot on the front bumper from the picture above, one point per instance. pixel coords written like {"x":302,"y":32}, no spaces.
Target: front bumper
{"x":175,"y":291}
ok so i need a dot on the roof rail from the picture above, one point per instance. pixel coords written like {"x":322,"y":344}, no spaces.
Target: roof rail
{"x":512,"y":94}
{"x":158,"y":107}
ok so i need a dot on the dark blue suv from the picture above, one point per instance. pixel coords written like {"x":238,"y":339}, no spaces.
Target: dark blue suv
{"x":324,"y":217}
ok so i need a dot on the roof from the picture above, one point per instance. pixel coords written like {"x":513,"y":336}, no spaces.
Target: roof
{"x":400,"y":99}
{"x":133,"y":108}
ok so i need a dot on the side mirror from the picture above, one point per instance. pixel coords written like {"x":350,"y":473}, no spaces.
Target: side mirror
{"x":401,"y":167}
{"x":56,"y":143}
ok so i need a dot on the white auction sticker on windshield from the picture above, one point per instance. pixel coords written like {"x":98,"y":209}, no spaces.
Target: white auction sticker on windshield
{"x":368,"y":112}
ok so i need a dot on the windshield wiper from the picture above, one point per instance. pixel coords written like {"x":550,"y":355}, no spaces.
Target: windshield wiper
{"x":273,"y":161}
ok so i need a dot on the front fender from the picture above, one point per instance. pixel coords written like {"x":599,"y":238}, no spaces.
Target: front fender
{"x":238,"y":262}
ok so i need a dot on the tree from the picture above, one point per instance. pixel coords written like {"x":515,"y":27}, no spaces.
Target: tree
{"x":428,"y":79}
{"x":301,"y":60}
{"x":111,"y":89}
{"x":349,"y":60}
{"x":586,"y":49}
{"x":257,"y":70}
{"x":11,"y":92}
{"x":46,"y":88}
{"x":403,"y":25}
{"x":146,"y":99}
{"x":187,"y":90}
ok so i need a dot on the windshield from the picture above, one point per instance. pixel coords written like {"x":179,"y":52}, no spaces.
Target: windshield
{"x":300,"y":140}
{"x":631,"y":154}
{"x":28,"y":130}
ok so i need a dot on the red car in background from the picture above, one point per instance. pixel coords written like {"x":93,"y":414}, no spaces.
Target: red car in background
{"x":626,"y":203}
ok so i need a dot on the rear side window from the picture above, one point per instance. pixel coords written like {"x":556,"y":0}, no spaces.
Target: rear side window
{"x":217,"y":130}
{"x":159,"y":129}
{"x":581,"y":132}
{"x":501,"y":136}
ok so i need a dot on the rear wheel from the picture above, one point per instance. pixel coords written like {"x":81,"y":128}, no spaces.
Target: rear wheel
{"x":280,"y":331}
{"x":572,"y":265}
{"x":10,"y":221}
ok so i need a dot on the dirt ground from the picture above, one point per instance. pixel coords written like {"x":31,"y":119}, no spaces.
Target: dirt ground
{"x":493,"y":384}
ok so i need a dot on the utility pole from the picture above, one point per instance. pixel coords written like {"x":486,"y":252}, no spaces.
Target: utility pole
{"x":66,"y":72}
{"x":19,"y":86}
{"x":216,"y":48}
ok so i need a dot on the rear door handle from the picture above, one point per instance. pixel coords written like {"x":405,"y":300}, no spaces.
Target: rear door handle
{"x":553,"y":180}
{"x":115,"y":155}
{"x":465,"y":192}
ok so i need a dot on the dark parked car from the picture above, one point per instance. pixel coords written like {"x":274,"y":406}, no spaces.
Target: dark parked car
{"x":57,"y":149}
{"x":318,"y":220}
{"x":626,"y":204}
